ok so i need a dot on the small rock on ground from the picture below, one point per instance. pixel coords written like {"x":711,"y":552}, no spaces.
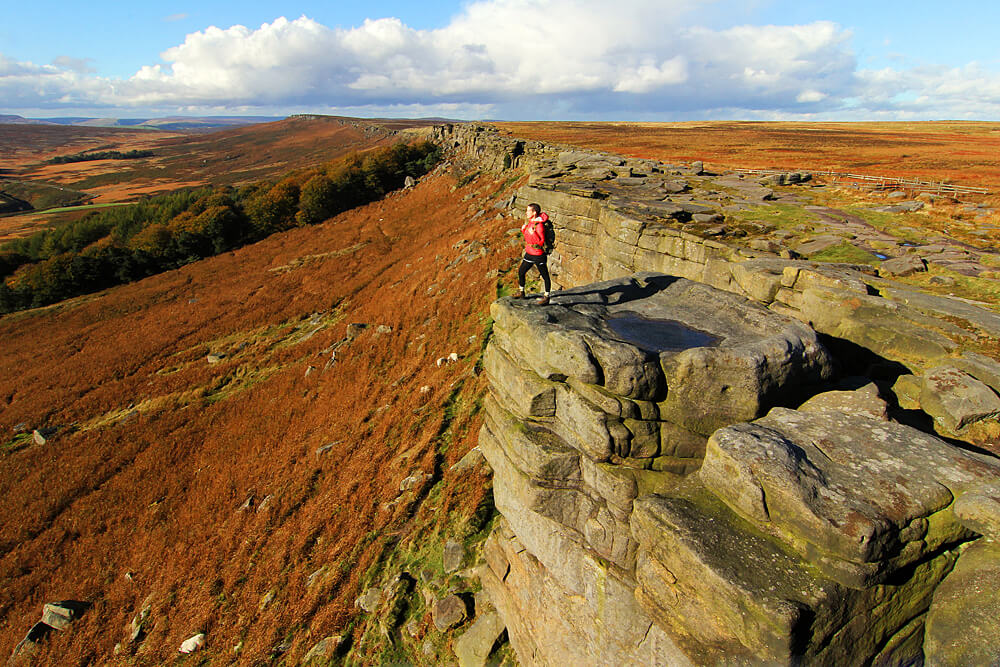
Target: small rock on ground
{"x":449,"y":613}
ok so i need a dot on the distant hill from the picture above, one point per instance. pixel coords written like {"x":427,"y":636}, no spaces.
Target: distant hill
{"x":180,"y":158}
{"x":172,"y":123}
{"x":179,"y":123}
{"x":10,"y":119}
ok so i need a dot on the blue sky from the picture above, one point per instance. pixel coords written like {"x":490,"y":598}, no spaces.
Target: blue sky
{"x":511,"y":59}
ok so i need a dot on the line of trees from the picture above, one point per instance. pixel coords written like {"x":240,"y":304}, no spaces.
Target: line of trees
{"x":100,"y":155}
{"x":128,"y":243}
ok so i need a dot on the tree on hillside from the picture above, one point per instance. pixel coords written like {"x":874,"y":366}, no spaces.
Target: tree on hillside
{"x":273,"y":210}
{"x":318,"y":200}
{"x":10,"y":260}
{"x":153,"y":240}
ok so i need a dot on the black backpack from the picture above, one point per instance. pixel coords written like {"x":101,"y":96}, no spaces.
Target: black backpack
{"x":550,"y":236}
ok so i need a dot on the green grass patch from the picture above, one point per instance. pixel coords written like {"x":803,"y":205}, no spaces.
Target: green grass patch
{"x":984,"y":290}
{"x":905,"y":229}
{"x":506,"y":184}
{"x":777,"y":215}
{"x":86,"y":207}
{"x":17,"y":443}
{"x":239,"y":380}
{"x":990,"y":260}
{"x":846,"y":253}
{"x":43,"y":196}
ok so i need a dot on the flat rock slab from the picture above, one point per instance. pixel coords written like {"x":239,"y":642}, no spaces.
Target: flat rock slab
{"x":857,"y":497}
{"x":750,"y":355}
{"x":980,"y":511}
{"x":719,"y":585}
{"x":473,"y":648}
{"x":937,"y":305}
{"x":864,"y":401}
{"x":902,"y":266}
{"x":981,"y":367}
{"x":747,"y":188}
{"x":818,"y":244}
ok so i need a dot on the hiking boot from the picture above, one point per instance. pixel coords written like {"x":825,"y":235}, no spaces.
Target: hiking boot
{"x":544,"y":301}
{"x":520,"y":295}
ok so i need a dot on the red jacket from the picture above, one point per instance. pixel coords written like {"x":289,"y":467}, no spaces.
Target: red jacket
{"x":534,"y":235}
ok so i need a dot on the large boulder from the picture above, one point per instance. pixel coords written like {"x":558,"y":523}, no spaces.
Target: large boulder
{"x":814,"y":537}
{"x":956,"y":399}
{"x":864,"y":401}
{"x":473,"y":648}
{"x":730,"y":594}
{"x":858,"y":498}
{"x":449,"y":612}
{"x":601,"y":624}
{"x":710,"y":357}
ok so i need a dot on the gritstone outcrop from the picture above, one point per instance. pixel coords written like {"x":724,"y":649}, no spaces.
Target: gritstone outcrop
{"x":662,"y":501}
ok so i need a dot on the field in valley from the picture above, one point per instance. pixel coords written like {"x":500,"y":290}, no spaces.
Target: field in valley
{"x":226,"y":157}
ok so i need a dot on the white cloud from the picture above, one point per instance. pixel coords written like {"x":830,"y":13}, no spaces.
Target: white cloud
{"x":810,"y":96}
{"x":504,"y":52}
{"x":969,"y":92}
{"x":649,"y":76}
{"x":26,"y":85}
{"x":82,"y":65}
{"x":519,"y":59}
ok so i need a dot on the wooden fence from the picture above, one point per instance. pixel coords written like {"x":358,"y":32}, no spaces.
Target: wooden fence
{"x":883,"y":182}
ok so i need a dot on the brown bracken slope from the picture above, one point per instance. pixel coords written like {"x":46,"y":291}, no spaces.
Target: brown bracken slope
{"x":138,"y":496}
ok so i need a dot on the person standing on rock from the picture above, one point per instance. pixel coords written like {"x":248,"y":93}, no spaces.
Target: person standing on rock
{"x":535,"y":251}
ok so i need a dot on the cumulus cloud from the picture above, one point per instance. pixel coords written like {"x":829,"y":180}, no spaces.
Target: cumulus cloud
{"x":505,"y":52}
{"x":518,"y":59}
{"x":969,"y":92}
{"x":64,"y":84}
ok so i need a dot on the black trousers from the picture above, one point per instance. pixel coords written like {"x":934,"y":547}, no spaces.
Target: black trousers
{"x":541,"y":263}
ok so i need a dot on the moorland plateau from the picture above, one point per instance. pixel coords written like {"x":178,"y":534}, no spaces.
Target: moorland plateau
{"x":346,"y":442}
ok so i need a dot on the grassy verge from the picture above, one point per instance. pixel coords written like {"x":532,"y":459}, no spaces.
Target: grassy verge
{"x":847,"y":253}
{"x":781,"y":216}
{"x":85,"y":207}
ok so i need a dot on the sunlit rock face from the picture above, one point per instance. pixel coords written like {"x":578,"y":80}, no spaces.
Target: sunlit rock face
{"x":661,"y":506}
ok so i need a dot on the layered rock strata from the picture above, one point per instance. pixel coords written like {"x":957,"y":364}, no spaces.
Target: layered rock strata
{"x":614,"y":216}
{"x":660,"y":509}
{"x":869,"y":317}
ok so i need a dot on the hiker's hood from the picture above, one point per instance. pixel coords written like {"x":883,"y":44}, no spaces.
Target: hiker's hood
{"x":544,"y":217}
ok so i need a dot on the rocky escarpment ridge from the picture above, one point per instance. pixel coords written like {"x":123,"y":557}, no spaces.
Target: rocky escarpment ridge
{"x":615,"y":216}
{"x":737,"y":497}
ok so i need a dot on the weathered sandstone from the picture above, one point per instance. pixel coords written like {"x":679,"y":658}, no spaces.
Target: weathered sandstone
{"x":665,"y":502}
